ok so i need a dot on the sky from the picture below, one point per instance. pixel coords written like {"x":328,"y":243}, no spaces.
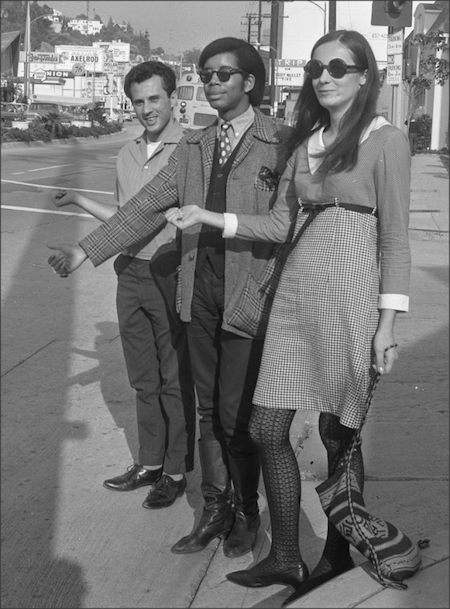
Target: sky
{"x":181,"y":25}
{"x":176,"y":25}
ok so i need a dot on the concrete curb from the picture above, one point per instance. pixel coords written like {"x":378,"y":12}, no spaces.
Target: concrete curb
{"x":360,"y":588}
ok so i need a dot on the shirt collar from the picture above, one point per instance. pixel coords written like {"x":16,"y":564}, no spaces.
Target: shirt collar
{"x":171,"y":134}
{"x":239,"y":124}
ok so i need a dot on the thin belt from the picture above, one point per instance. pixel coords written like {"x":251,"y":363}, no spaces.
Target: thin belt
{"x":313,"y":209}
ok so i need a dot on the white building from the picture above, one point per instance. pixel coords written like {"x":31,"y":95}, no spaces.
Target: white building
{"x":85,"y":26}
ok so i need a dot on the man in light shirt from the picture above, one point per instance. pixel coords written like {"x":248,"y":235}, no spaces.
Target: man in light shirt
{"x":153,"y":339}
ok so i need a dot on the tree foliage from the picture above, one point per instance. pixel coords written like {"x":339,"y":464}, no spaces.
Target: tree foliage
{"x":431,"y":68}
{"x":43,"y":34}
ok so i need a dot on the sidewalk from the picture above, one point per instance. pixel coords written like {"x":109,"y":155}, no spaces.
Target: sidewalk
{"x":429,"y":198}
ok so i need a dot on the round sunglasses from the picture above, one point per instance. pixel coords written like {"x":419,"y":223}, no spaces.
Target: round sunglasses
{"x":337,"y":68}
{"x":223,"y":74}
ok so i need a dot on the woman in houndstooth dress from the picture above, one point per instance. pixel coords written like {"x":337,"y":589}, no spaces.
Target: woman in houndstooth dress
{"x":331,"y":326}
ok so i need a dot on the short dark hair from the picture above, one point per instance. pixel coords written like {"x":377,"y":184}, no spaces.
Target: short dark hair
{"x":145,"y":70}
{"x":248,"y":59}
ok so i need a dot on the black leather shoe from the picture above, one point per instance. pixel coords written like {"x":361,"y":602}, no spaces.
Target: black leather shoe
{"x":294,"y":577}
{"x":165,"y":492}
{"x":135,"y":477}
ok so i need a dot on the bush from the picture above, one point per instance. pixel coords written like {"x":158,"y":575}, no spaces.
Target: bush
{"x":424,"y":134}
{"x":39,"y":131}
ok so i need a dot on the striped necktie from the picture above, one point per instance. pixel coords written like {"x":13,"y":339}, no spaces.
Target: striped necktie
{"x":224,"y":144}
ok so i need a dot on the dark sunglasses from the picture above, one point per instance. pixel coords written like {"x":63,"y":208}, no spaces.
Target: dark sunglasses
{"x":223,"y":74}
{"x":337,"y":68}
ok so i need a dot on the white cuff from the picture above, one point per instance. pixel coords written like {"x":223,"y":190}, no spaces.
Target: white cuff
{"x":230,"y":227}
{"x":397,"y":302}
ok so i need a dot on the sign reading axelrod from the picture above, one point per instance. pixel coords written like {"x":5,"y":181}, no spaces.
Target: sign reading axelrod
{"x":91,"y":57}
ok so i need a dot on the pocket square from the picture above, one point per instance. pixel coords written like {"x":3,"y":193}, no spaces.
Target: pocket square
{"x":271,"y":178}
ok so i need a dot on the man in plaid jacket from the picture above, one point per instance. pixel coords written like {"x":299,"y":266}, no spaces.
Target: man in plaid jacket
{"x":214,"y":273}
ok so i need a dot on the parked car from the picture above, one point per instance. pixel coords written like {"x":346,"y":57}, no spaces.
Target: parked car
{"x":12,"y":111}
{"x":130,"y":114}
{"x":40,"y":110}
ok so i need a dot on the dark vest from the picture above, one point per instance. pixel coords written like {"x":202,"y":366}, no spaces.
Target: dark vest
{"x":211,"y":244}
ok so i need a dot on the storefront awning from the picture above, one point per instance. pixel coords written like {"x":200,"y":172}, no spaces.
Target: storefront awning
{"x":10,"y":43}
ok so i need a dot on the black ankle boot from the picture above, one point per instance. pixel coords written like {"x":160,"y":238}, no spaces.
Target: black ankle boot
{"x":245,"y":476}
{"x":217,"y":517}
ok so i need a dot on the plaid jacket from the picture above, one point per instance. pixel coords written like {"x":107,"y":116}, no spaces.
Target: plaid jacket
{"x":185,"y":181}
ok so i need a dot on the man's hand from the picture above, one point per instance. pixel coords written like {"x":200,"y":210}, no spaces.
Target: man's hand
{"x":66,"y":259}
{"x":184,"y":217}
{"x":64,"y":197}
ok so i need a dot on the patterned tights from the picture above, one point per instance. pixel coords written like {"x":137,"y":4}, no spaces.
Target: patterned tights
{"x":269,"y":429}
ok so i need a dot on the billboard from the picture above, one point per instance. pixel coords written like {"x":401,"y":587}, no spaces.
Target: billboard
{"x":92,"y":58}
{"x":115,"y":51}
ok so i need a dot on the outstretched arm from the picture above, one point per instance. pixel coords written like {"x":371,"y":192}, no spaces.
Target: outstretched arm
{"x":66,"y":259}
{"x":189,"y":215}
{"x":71,"y":197}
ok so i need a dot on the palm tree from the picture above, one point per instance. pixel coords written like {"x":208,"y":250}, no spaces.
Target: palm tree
{"x":53,"y":120}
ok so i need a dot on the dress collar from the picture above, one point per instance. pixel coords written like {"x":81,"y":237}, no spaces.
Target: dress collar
{"x":316,"y":145}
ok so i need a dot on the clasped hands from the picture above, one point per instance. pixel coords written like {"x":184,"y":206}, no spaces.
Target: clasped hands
{"x":184,"y":217}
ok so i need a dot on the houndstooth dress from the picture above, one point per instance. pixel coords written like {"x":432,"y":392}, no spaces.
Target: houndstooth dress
{"x":318,"y":346}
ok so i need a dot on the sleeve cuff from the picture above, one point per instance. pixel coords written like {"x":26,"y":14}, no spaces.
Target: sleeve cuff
{"x":397,"y":302}
{"x":231,"y":224}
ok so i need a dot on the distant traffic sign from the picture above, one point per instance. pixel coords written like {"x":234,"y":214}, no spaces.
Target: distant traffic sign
{"x":40,"y":74}
{"x":78,"y":69}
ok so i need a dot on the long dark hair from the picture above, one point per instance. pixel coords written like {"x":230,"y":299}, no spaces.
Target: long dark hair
{"x":342,"y":155}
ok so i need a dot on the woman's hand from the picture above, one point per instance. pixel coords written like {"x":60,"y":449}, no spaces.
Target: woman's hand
{"x":184,"y":217}
{"x":384,"y":344}
{"x":66,"y":259}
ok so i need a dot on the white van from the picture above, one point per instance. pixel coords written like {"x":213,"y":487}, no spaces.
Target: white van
{"x":191,"y":108}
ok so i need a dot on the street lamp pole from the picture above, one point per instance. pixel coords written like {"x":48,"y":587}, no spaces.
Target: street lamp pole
{"x":27,"y":49}
{"x":324,"y":11}
{"x":27,"y":45}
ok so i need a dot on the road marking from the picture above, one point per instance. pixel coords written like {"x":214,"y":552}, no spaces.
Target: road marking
{"x":99,"y":192}
{"x":45,"y":211}
{"x":53,"y":167}
{"x":18,"y":173}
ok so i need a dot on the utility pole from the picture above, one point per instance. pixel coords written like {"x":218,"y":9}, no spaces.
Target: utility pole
{"x":273,"y":50}
{"x":332,"y":16}
{"x":249,"y":17}
{"x":259,"y":23}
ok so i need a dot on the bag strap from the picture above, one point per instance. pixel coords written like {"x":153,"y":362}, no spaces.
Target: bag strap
{"x":356,"y":441}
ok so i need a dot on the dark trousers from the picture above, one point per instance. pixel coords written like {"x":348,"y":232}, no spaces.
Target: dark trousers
{"x":412,"y":143}
{"x":157,"y":359}
{"x":224,"y":366}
